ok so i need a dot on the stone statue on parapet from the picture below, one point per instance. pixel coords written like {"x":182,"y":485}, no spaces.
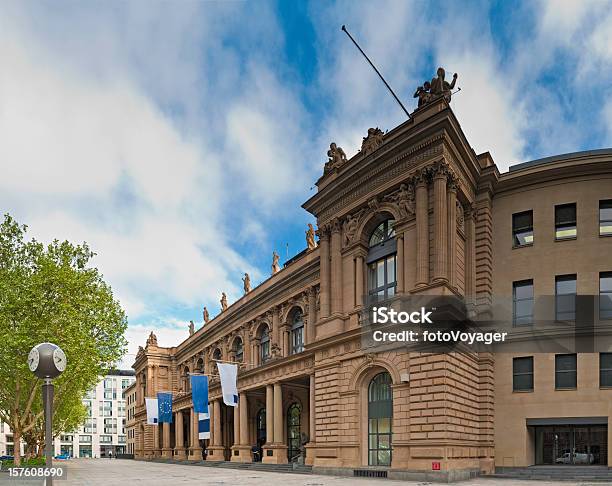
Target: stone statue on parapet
{"x":191,"y":328}
{"x":275,"y":265}
{"x":247,"y":283}
{"x":205,"y":315}
{"x":152,"y":339}
{"x":310,"y":237}
{"x":337,"y":158}
{"x":438,"y":88}
{"x":223,"y":302}
{"x":372,"y":141}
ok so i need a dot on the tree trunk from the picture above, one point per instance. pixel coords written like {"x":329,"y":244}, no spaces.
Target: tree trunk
{"x":17,"y":445}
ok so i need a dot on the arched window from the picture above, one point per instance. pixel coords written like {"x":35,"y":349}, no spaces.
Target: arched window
{"x":264,"y":345}
{"x":238,"y":350}
{"x":381,"y":261}
{"x":186,"y":380}
{"x":294,"y":415}
{"x":380,"y":417}
{"x":261,"y":427}
{"x":200,"y":366}
{"x":297,"y":332}
{"x":217,"y":354}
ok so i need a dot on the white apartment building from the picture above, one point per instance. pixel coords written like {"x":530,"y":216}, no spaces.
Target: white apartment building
{"x":104,"y":430}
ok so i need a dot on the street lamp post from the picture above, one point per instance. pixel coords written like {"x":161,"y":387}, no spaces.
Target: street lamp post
{"x":47,"y":361}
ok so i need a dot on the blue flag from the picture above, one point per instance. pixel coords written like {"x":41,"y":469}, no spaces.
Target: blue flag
{"x":199,"y":393}
{"x":203,"y":426}
{"x":164,"y":404}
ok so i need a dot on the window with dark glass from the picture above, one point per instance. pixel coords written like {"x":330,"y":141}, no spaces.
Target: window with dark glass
{"x":605,"y":370}
{"x":264,"y":345}
{"x":605,"y":295}
{"x":522,"y":302}
{"x":294,"y":414}
{"x":565,"y":297}
{"x":522,"y":373}
{"x":297,"y":332}
{"x":380,"y":418}
{"x":565,"y":371}
{"x":381,"y":261}
{"x":238,"y":350}
{"x":522,"y":228}
{"x":565,"y":221}
{"x":605,"y":218}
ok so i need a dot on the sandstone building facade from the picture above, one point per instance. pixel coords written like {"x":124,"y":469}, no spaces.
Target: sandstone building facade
{"x":415,"y":212}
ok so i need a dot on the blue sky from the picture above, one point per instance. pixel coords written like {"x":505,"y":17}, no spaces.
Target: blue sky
{"x":179,"y":139}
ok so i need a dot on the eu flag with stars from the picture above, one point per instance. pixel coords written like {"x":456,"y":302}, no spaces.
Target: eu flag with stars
{"x":164,"y":404}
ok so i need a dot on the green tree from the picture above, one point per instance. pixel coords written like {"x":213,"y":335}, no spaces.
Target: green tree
{"x":51,"y":293}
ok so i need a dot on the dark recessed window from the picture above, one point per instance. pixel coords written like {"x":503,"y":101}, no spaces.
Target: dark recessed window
{"x":381,"y":261}
{"x":605,"y":369}
{"x":605,"y":295}
{"x":605,"y":217}
{"x":565,"y":221}
{"x":565,"y":297}
{"x":522,"y":302}
{"x":522,"y":228}
{"x":565,"y":371}
{"x":522,"y":374}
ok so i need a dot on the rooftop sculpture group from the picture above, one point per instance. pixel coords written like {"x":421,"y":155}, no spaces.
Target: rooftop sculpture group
{"x":437,"y":88}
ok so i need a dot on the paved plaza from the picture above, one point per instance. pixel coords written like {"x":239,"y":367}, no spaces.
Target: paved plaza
{"x":93,"y":472}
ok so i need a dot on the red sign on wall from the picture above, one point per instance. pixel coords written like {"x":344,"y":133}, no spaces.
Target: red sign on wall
{"x":435,"y":466}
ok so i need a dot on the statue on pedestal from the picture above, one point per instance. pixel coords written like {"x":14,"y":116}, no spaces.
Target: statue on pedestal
{"x":310,"y":237}
{"x":223,"y":302}
{"x":275,"y":265}
{"x":438,"y":88}
{"x":191,"y":328}
{"x":152,"y":339}
{"x":372,"y":141}
{"x":246,"y":283}
{"x":205,"y":315}
{"x":337,"y":158}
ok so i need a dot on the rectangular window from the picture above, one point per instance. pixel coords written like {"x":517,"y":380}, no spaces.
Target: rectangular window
{"x":565,"y":221}
{"x":522,"y":302}
{"x":605,"y":295}
{"x":106,"y":409}
{"x":605,"y":218}
{"x":522,"y":374}
{"x":522,"y":228}
{"x":106,"y":439}
{"x":605,"y":370}
{"x":85,"y":439}
{"x":110,"y":426}
{"x":565,"y":371}
{"x":565,"y":297}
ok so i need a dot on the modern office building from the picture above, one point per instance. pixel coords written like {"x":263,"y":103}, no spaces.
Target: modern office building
{"x":415,"y":213}
{"x":104,"y":429}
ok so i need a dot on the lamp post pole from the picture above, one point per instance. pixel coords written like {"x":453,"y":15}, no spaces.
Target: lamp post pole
{"x":47,"y":393}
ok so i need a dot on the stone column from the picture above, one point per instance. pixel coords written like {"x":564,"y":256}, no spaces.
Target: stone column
{"x":155,"y":374}
{"x":278,"y":413}
{"x":422,"y":227}
{"x":237,"y":424}
{"x":195,"y":452}
{"x":359,"y":290}
{"x":440,"y":242}
{"x":216,"y":448}
{"x":217,"y":424}
{"x":166,"y":450}
{"x":470,"y":253}
{"x":325,"y":271}
{"x":150,"y":389}
{"x":399,"y":266}
{"x":244,"y":420}
{"x":156,"y":447}
{"x":312,"y":425}
{"x":276,"y":331}
{"x":286,"y":343}
{"x":312,"y":316}
{"x":451,"y":205}
{"x":179,"y":446}
{"x":255,"y":354}
{"x":269,"y":414}
{"x":336,"y":268}
{"x":241,"y":451}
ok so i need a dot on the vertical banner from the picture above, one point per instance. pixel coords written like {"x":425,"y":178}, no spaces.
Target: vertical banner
{"x":164,"y":401}
{"x":227,"y":375}
{"x":152,"y":411}
{"x":199,"y":393}
{"x":203,"y":426}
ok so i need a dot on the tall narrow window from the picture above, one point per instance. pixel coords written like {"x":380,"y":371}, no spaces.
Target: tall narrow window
{"x":565,"y":371}
{"x":605,"y":218}
{"x":380,"y":417}
{"x":605,"y":295}
{"x":565,"y":297}
{"x":381,"y":262}
{"x":297,"y":332}
{"x":605,"y":370}
{"x":522,"y":228}
{"x":238,"y":350}
{"x":294,"y":414}
{"x":565,"y":221}
{"x":522,"y":373}
{"x":264,"y":345}
{"x":522,"y":302}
